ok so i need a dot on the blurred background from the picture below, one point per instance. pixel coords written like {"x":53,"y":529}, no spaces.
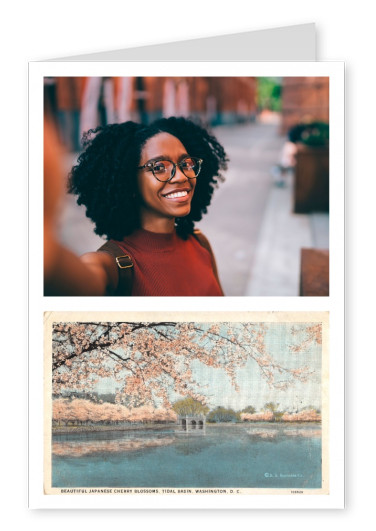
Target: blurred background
{"x":269,"y":221}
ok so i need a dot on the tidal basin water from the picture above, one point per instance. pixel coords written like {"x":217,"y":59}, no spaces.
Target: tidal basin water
{"x":258,"y":455}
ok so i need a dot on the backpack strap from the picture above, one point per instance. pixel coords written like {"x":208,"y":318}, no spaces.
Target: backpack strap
{"x":204,"y":242}
{"x":124,"y":266}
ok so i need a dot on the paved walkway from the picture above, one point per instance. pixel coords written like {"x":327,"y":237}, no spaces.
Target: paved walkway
{"x":235,"y":216}
{"x":276,"y":267}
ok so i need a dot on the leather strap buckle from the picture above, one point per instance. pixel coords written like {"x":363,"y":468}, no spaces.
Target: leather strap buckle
{"x":126,"y":264}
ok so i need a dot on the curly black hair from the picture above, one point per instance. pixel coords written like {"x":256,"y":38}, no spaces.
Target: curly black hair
{"x":105,"y":176}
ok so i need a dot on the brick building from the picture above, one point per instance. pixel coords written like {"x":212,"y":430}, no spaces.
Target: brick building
{"x":304,"y":99}
{"x":216,"y":100}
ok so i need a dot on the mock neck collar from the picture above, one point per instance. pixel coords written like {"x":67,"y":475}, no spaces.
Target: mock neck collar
{"x":153,"y":241}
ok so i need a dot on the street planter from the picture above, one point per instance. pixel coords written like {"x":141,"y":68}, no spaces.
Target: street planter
{"x":314,"y":273}
{"x":311,"y":184}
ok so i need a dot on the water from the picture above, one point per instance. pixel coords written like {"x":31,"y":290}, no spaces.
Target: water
{"x":228,"y":456}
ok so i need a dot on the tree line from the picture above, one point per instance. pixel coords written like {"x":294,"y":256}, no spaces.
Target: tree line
{"x":80,"y":411}
{"x":269,"y":413}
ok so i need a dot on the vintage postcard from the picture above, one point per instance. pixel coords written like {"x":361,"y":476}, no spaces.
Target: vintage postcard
{"x":186,"y":404}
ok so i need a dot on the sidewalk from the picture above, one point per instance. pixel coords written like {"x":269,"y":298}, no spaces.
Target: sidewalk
{"x":276,"y":267}
{"x":237,"y":211}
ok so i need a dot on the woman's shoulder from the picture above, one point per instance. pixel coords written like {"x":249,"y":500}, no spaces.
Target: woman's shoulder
{"x":202,"y":239}
{"x":204,"y":242}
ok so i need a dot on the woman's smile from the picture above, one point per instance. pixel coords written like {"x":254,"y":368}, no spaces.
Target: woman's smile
{"x":179,"y":195}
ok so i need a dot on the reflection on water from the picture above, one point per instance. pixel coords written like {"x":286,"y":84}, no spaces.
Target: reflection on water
{"x":81,"y":448}
{"x":263,"y":434}
{"x":272,"y":433}
{"x":189,"y":445}
{"x":239,"y":455}
{"x":303,"y":433}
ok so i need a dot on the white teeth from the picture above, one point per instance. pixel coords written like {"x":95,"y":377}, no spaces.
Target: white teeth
{"x":177,"y":194}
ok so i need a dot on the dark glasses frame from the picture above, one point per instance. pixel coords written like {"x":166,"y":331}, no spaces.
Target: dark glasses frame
{"x":150,"y":166}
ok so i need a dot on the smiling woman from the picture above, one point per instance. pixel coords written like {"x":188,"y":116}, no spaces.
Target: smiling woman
{"x":144,"y":187}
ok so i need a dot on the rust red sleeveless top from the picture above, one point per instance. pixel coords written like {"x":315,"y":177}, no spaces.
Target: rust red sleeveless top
{"x":166,"y":265}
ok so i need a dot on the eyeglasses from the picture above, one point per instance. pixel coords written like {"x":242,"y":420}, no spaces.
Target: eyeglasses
{"x":165,"y":170}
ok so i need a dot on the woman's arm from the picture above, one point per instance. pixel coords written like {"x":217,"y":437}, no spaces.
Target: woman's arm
{"x":68,"y":274}
{"x":64,"y":272}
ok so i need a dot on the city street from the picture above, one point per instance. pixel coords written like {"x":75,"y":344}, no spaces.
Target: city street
{"x":254,"y":234}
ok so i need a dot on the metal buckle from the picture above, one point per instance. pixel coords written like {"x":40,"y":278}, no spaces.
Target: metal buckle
{"x":124,"y":266}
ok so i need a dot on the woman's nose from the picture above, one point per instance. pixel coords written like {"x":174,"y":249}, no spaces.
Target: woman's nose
{"x":178,"y":176}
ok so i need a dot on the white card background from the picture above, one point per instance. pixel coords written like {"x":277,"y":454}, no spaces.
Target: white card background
{"x":333,"y":304}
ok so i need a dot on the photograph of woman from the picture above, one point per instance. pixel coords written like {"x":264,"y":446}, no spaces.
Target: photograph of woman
{"x":140,"y":160}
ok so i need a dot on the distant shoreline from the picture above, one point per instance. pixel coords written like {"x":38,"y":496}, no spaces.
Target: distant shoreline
{"x":142,"y":427}
{"x":91,"y":428}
